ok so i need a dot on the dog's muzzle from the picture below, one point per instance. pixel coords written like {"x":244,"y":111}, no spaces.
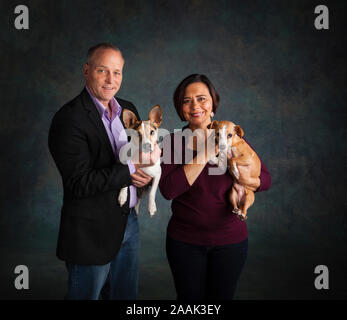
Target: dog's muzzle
{"x":222,"y":147}
{"x":147,"y":147}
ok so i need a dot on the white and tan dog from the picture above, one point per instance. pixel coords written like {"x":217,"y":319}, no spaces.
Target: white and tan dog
{"x":240,"y":155}
{"x":148,"y":135}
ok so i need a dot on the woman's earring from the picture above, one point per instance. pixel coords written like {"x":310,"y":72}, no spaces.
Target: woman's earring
{"x":212,"y":114}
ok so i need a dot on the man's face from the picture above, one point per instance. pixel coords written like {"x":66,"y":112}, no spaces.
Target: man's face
{"x":104,"y":74}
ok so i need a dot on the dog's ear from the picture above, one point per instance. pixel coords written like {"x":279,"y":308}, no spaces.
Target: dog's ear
{"x":129,"y":119}
{"x":213,"y":125}
{"x":238,"y":130}
{"x":156,"y":115}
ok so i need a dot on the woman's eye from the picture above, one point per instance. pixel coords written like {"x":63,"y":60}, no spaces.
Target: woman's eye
{"x":186,"y":101}
{"x":201,"y":99}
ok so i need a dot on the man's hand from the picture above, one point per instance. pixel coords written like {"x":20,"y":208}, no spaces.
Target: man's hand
{"x":140,"y":179}
{"x":148,"y":159}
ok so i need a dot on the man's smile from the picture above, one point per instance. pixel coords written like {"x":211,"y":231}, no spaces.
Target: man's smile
{"x":108,"y":88}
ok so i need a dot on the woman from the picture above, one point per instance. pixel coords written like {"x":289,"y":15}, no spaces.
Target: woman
{"x":206,"y":243}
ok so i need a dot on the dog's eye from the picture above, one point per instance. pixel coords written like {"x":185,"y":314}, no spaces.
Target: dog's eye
{"x":152,"y":132}
{"x":230,"y":135}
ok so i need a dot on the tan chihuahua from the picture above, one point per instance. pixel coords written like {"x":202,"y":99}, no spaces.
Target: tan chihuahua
{"x":148,"y":136}
{"x":240,"y":154}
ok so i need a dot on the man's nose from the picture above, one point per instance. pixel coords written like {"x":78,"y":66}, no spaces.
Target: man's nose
{"x":108,"y":77}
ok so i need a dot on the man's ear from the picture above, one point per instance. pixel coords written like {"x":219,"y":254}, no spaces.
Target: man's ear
{"x":129,"y":119}
{"x":85,"y":69}
{"x":238,"y":130}
{"x":213,"y":125}
{"x":156,"y":115}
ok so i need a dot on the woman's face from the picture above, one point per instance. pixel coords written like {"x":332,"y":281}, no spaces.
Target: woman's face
{"x":197,"y":105}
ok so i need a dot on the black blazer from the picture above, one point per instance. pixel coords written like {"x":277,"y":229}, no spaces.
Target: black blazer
{"x":92,"y":223}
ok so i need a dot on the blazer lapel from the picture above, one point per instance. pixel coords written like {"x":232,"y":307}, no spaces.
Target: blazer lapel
{"x":95,"y":119}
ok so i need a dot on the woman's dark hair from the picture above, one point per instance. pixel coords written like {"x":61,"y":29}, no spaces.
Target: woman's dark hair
{"x":178,"y":96}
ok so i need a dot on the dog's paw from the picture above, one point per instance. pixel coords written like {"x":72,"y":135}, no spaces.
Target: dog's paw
{"x":152,"y":208}
{"x":242,"y":217}
{"x":236,"y":211}
{"x":123,"y":195}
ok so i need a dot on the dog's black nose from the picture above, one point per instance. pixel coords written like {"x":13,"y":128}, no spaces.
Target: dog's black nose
{"x":146,"y":147}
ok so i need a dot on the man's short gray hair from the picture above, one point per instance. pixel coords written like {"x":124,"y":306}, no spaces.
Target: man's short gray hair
{"x":103,"y":45}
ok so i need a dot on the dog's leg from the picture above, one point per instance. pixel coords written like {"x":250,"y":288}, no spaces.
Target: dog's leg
{"x":249,"y":182}
{"x":137,"y":206}
{"x":152,"y":208}
{"x":243,"y":160}
{"x":235,"y":170}
{"x":234,"y":197}
{"x":123,"y":196}
{"x":249,"y":200}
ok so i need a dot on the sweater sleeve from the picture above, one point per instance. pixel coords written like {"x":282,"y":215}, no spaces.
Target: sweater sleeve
{"x":265,"y":177}
{"x":173,"y":181}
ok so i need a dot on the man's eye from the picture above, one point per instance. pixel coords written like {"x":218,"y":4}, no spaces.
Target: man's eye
{"x":101,"y":71}
{"x":229,"y":135}
{"x":117,"y":73}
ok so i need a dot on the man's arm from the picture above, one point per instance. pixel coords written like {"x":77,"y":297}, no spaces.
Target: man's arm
{"x":70,"y":150}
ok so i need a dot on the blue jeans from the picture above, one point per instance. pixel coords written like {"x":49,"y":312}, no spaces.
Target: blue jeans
{"x":117,"y":280}
{"x":205,"y":272}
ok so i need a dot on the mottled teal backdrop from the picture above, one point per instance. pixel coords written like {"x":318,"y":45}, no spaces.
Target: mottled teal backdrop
{"x":278,"y":77}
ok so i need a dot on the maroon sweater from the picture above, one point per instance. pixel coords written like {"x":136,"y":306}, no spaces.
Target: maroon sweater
{"x":202,"y":213}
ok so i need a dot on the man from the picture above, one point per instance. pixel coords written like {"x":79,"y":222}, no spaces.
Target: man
{"x":98,"y":239}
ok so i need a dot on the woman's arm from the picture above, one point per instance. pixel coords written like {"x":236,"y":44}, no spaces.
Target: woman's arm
{"x":265,"y":178}
{"x":178,"y":178}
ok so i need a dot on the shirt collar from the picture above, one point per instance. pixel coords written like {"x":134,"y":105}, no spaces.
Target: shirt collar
{"x":115,"y":106}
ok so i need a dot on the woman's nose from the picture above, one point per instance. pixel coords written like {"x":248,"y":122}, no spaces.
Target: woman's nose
{"x":194,"y":103}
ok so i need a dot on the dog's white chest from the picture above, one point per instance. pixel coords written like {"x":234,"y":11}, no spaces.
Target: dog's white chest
{"x":154,"y":170}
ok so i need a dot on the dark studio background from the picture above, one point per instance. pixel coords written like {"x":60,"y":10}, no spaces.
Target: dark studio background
{"x":278,"y":77}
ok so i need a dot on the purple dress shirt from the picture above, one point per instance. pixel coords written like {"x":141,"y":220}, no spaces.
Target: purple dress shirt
{"x":116,"y":135}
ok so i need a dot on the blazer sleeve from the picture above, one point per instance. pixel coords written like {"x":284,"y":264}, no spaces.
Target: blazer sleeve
{"x":70,"y":150}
